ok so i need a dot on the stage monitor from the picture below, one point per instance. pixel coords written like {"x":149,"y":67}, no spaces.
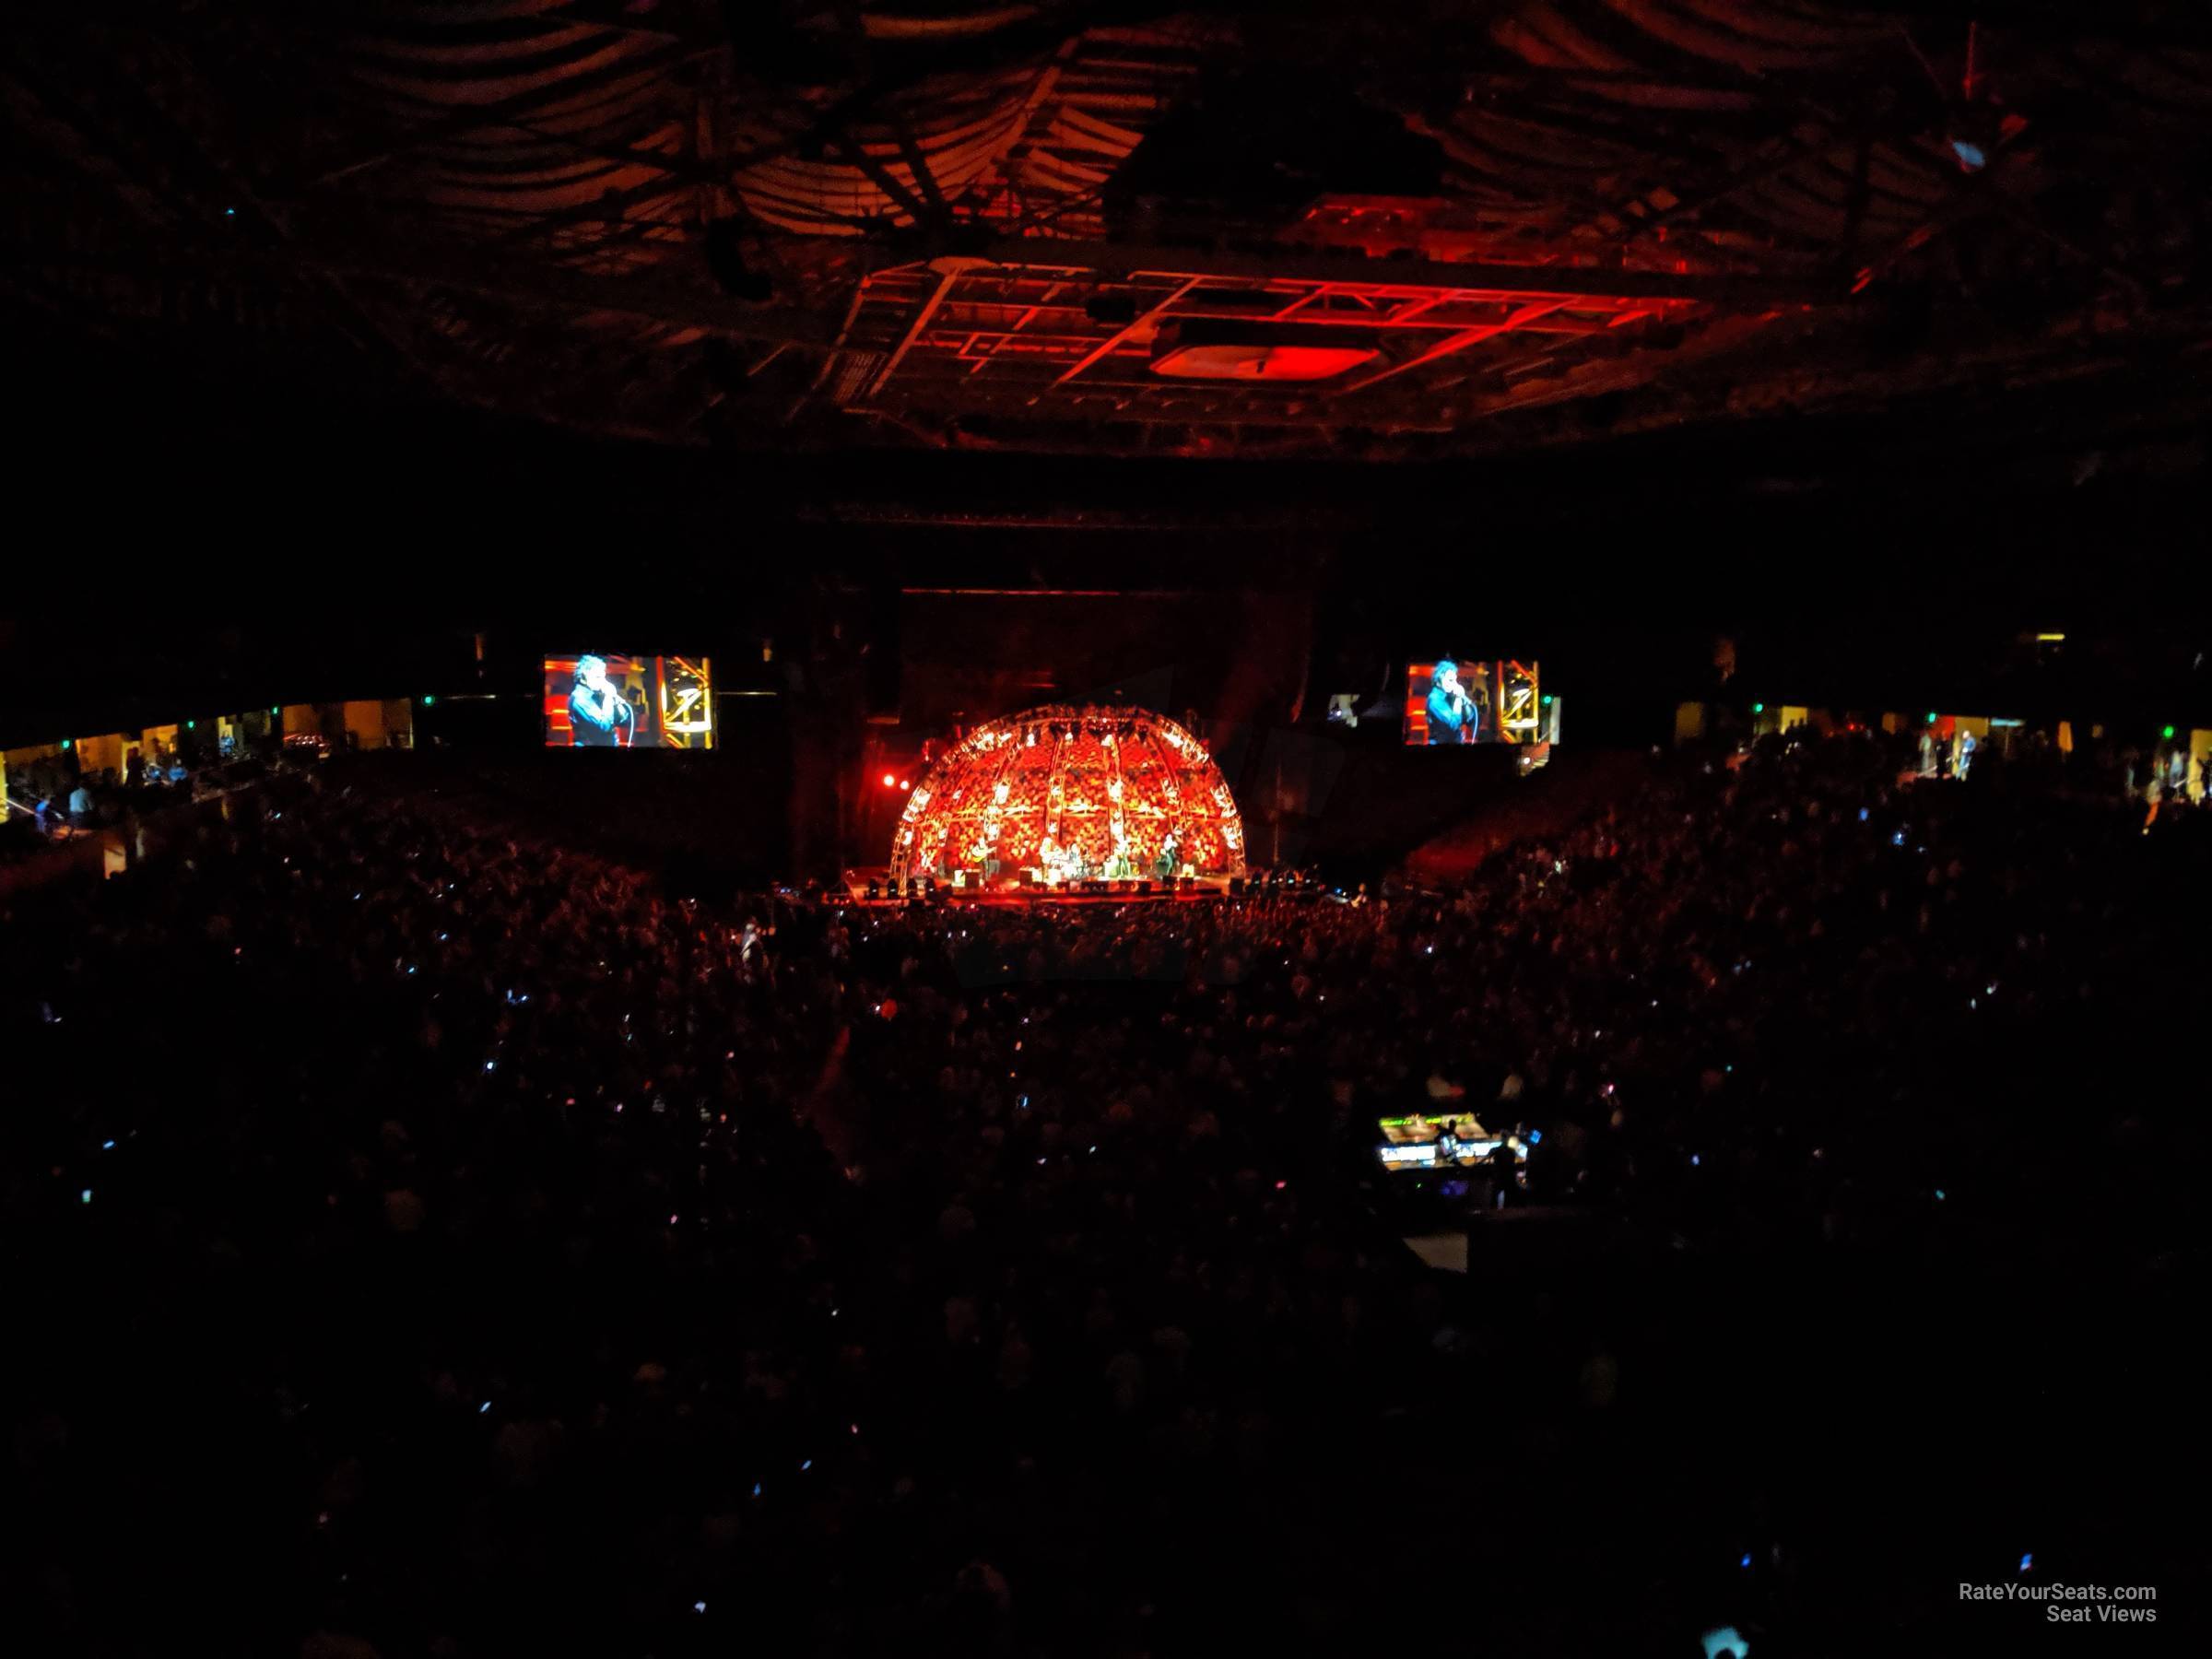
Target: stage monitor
{"x":1442,"y":1141}
{"x":595,"y":700}
{"x":1455,"y":701}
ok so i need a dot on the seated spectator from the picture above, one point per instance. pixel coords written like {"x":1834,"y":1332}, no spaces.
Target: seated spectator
{"x":568,"y":1273}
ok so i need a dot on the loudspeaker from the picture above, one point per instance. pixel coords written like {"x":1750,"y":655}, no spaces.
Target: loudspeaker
{"x":1236,"y":886}
{"x":1144,"y":887}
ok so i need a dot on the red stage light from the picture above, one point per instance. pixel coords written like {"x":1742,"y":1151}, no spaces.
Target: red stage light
{"x":906,"y":782}
{"x":889,"y":779}
{"x":1071,"y":793}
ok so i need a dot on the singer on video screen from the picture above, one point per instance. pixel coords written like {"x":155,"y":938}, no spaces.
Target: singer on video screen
{"x":598,"y":715}
{"x":1453,"y":716}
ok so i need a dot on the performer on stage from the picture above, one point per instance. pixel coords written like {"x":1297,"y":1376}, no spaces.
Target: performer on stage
{"x":596,"y":710}
{"x":1453,"y":716}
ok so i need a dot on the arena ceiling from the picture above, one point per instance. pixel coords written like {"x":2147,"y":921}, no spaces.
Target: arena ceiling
{"x":1418,"y":229}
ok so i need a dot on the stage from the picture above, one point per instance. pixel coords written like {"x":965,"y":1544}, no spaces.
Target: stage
{"x":875,"y":887}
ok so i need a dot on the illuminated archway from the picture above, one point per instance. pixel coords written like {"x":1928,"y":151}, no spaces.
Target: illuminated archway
{"x":1068,"y":793}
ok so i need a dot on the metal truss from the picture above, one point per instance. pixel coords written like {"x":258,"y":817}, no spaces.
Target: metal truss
{"x":1028,"y":336}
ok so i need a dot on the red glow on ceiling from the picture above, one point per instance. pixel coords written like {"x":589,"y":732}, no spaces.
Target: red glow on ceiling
{"x":1261,"y":363}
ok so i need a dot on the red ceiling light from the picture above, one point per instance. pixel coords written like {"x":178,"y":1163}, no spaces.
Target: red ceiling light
{"x":1262,"y":362}
{"x":1246,"y":348}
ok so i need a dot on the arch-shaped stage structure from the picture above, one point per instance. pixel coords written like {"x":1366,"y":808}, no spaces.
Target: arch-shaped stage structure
{"x":1065,"y":794}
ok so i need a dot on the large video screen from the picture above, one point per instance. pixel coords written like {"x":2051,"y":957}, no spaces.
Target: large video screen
{"x":602,"y":700}
{"x":1459,"y":701}
{"x":1451,"y":1140}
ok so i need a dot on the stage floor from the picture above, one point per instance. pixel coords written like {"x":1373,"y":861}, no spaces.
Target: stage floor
{"x":1107,"y":892}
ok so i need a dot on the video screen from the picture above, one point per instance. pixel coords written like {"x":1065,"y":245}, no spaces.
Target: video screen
{"x":607,"y":702}
{"x":1459,"y":699}
{"x":1446,"y":1140}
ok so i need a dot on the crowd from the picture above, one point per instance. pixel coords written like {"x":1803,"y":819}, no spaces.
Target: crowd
{"x":436,"y":1240}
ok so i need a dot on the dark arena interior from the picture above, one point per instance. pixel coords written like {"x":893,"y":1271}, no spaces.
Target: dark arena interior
{"x":1045,"y":1122}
